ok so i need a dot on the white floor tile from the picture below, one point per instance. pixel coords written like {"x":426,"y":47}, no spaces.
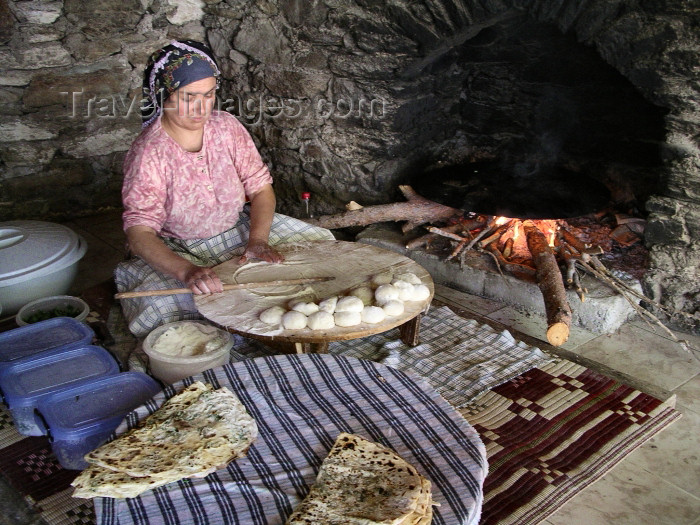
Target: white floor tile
{"x":628,"y":495}
{"x":674,"y":453}
{"x":643,"y":355}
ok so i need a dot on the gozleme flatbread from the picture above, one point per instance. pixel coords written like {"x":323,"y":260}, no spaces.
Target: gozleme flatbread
{"x":96,"y":482}
{"x":191,"y":435}
{"x":365,"y":483}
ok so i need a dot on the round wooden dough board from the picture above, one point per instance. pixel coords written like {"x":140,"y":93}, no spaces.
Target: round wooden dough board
{"x":352,"y":264}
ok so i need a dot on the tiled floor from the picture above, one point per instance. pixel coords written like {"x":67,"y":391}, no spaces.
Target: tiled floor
{"x":657,"y":484}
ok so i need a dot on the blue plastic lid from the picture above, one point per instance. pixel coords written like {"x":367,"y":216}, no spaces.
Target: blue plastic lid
{"x":25,"y":381}
{"x":96,"y":406}
{"x":42,"y":336}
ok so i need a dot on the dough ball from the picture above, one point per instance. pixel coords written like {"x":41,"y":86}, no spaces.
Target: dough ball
{"x":349,"y":303}
{"x":347,"y":318}
{"x":328,"y":305}
{"x":373,"y":314}
{"x":305,"y":308}
{"x":420,"y":293}
{"x":365,"y":294}
{"x":382,"y":278}
{"x":386,"y":292}
{"x":272,"y":315}
{"x":321,"y":320}
{"x":393,"y":308}
{"x":405,"y":290}
{"x":294,"y":320}
{"x":408,"y":277}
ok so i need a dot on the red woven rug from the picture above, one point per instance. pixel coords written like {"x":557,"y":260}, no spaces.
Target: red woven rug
{"x":29,"y":467}
{"x":553,"y":431}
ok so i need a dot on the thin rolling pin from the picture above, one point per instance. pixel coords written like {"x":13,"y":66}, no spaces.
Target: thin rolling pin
{"x":241,"y":286}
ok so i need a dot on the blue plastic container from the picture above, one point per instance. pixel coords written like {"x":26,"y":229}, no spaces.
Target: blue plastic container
{"x":25,"y":382}
{"x":82,"y":418}
{"x":43,"y":336}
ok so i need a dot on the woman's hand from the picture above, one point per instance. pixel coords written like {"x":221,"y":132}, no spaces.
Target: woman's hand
{"x":261,"y":250}
{"x":203,"y":280}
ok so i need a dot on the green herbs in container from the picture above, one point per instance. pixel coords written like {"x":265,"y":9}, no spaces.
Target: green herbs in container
{"x":50,"y":307}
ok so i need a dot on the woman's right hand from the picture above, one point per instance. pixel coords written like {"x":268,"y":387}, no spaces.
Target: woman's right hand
{"x":202,"y":280}
{"x":144,"y":242}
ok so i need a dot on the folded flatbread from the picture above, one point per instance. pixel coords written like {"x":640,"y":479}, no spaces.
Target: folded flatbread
{"x":365,"y":483}
{"x":194,"y":433}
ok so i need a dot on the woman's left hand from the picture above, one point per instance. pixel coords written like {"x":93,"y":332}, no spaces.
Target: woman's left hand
{"x":261,"y":250}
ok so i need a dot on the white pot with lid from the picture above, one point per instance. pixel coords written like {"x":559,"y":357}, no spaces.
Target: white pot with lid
{"x":37,"y":259}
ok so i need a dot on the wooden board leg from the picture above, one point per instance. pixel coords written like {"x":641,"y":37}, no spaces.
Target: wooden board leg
{"x":409,"y":331}
{"x":311,"y":348}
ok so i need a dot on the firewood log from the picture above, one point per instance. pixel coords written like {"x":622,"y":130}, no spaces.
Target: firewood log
{"x":415,"y":211}
{"x":551,"y":284}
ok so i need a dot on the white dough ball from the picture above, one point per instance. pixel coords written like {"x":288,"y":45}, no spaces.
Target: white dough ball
{"x":420,"y":293}
{"x":386,"y":292}
{"x":393,"y":308}
{"x":373,"y":314}
{"x":294,"y":320}
{"x":328,"y":305}
{"x":272,"y":315}
{"x":405,"y":290}
{"x":408,"y":277}
{"x":321,"y":320}
{"x":349,"y":303}
{"x":365,"y":294}
{"x":382,"y":278}
{"x":347,"y":318}
{"x":305,"y":308}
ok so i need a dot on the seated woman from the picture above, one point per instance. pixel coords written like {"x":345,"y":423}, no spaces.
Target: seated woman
{"x":187,"y":179}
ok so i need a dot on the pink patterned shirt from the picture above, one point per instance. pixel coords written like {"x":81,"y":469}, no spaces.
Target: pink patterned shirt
{"x":191,"y":195}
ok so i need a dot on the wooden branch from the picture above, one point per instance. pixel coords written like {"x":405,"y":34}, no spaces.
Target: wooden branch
{"x":572,"y":278}
{"x":551,"y":285}
{"x":496,"y":234}
{"x":463,"y":225}
{"x":508,"y":247}
{"x":416,"y":210}
{"x":595,"y":267}
{"x":576,"y":243}
{"x":645,"y":314}
{"x":484,"y":232}
{"x":521,"y":271}
{"x":444,"y":232}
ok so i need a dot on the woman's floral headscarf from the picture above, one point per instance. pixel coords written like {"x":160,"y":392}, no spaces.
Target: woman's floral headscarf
{"x":179,"y":63}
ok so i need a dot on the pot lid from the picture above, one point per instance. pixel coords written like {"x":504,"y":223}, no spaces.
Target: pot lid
{"x":30,"y":249}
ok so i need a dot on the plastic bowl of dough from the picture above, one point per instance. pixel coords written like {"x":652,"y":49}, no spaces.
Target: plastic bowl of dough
{"x":184,"y":348}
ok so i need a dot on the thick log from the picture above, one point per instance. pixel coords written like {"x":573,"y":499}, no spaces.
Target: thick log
{"x":416,"y":210}
{"x":551,"y":284}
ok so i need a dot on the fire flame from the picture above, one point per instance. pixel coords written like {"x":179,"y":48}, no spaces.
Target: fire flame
{"x":548,"y":227}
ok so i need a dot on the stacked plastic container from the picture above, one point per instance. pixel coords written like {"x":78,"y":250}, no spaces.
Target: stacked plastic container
{"x":56,"y":383}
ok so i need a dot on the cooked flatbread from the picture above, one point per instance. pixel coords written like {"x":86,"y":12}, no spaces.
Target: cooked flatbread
{"x":365,"y":483}
{"x":99,"y":482}
{"x":191,"y":435}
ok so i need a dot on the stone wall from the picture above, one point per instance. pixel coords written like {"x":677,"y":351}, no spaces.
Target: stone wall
{"x":348,"y":98}
{"x":70,"y":91}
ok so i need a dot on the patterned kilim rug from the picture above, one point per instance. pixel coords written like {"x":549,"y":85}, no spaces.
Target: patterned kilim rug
{"x":550,"y":427}
{"x":554,"y":430}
